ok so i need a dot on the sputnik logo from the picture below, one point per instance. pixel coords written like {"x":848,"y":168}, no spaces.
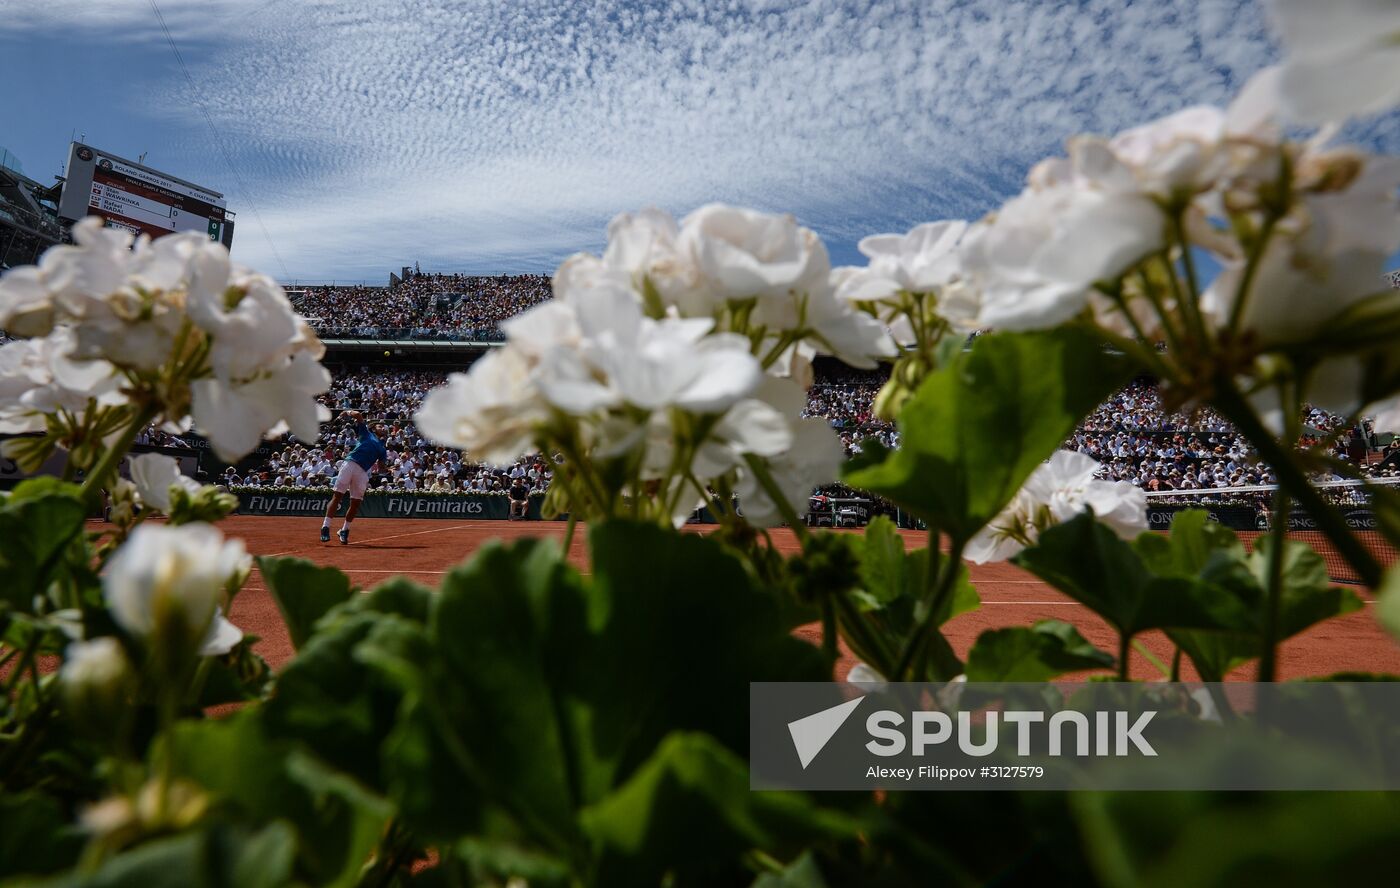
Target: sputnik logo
{"x":811,"y":733}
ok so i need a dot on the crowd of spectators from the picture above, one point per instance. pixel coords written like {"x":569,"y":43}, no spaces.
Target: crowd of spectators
{"x":1130,"y":434}
{"x":422,"y":306}
{"x":849,"y":408}
{"x":414,"y":463}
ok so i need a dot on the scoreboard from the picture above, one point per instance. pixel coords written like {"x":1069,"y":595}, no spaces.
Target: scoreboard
{"x":139,"y":199}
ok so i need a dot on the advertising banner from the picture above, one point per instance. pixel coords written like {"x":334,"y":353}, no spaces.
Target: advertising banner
{"x":383,"y":505}
{"x":1235,"y":517}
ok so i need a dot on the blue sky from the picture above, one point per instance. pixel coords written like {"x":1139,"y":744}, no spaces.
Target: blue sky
{"x":490,"y":136}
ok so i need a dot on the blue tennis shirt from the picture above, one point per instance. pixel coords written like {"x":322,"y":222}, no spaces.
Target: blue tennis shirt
{"x":368,"y":450}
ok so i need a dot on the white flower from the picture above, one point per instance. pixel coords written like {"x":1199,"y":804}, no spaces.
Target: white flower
{"x":1054,"y":493}
{"x":752,"y":254}
{"x":96,"y":665}
{"x":838,"y":329}
{"x":40,"y":376}
{"x":1386,"y":415}
{"x":1326,"y":255}
{"x":26,"y":308}
{"x":644,"y":247}
{"x":922,"y":261}
{"x":236,"y":415}
{"x":814,"y":459}
{"x":222,"y":636}
{"x":173,"y":575}
{"x":1178,"y":152}
{"x":253,"y":329}
{"x":761,"y":426}
{"x":623,"y":357}
{"x":1080,"y":221}
{"x":867,"y":678}
{"x":1189,"y":152}
{"x":1342,"y":57}
{"x":154,"y":474}
{"x":92,"y":269}
{"x":490,"y":411}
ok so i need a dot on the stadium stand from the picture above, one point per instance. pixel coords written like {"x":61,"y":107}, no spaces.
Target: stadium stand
{"x":29,"y":222}
{"x":421,"y":306}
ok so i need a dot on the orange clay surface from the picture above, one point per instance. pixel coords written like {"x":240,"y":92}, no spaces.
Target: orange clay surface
{"x":424,"y":549}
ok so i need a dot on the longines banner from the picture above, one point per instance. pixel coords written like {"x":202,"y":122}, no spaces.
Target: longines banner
{"x":1097,"y":736}
{"x":384,"y":505}
{"x":1239,"y":517}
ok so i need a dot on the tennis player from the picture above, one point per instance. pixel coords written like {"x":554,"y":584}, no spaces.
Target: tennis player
{"x":353,"y":477}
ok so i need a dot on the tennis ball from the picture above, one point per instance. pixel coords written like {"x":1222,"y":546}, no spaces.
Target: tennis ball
{"x":386,"y":353}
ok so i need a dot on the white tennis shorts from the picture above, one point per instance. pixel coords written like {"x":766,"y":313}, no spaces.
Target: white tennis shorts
{"x":352,"y":479}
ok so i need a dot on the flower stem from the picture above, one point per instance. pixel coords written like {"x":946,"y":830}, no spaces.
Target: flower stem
{"x":765,"y":480}
{"x":98,"y":478}
{"x":1273,"y":214}
{"x":1291,"y":476}
{"x":1251,"y":269}
{"x":1273,"y":593}
{"x":914,"y":644}
{"x":1192,"y":308}
{"x":569,"y":532}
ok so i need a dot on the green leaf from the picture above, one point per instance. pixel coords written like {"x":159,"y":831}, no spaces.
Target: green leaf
{"x":1388,"y":601}
{"x":330,"y":698}
{"x":217,"y":856}
{"x":38,"y":523}
{"x":882,"y":560}
{"x":543,"y":690}
{"x":689,"y":812}
{"x":304,"y":592}
{"x":977,"y":428}
{"x":1089,"y":563}
{"x":261,"y":779}
{"x":492,"y":632}
{"x":1238,"y":840}
{"x":38,"y":837}
{"x":1195,"y":543}
{"x":899,"y":607}
{"x":235,"y":677}
{"x":1307,"y":598}
{"x":801,"y":873}
{"x":506,"y":861}
{"x":1038,"y":653}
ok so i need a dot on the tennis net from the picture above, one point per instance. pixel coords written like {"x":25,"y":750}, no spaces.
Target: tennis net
{"x":1248,"y":510}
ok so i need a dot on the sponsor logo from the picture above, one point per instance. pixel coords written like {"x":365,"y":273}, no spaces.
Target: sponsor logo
{"x":1362,"y":521}
{"x":269,"y":505}
{"x":404,"y":505}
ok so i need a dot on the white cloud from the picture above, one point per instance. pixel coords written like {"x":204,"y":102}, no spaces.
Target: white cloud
{"x":502,"y":136}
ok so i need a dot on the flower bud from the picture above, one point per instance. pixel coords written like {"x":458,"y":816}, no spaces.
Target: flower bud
{"x":164,"y":585}
{"x":95,"y":679}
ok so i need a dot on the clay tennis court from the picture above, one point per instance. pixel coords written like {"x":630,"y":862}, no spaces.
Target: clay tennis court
{"x":424,"y":549}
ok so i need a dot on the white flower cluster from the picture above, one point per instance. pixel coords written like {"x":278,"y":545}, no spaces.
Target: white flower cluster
{"x":679,"y":355}
{"x":170,"y":322}
{"x":1055,"y":492}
